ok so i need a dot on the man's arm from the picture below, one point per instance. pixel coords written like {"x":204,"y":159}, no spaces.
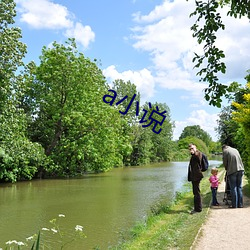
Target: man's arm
{"x":224,"y":159}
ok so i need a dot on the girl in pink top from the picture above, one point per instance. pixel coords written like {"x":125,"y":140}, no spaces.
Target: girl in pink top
{"x":214,"y":185}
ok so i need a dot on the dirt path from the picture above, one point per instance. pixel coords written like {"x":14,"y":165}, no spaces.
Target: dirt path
{"x":225,"y":228}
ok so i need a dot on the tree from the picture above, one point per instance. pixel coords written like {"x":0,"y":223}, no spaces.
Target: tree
{"x":233,"y":123}
{"x":12,"y":50}
{"x":208,"y":23}
{"x":147,"y":146}
{"x":20,"y":158}
{"x":128,"y":112}
{"x":78,"y":130}
{"x":183,"y":144}
{"x":196,"y":131}
{"x":227,"y":127}
{"x":215,"y":148}
{"x":229,"y":130}
{"x":242,"y":117}
{"x":142,"y":146}
{"x":128,"y":89}
{"x":161,"y":143}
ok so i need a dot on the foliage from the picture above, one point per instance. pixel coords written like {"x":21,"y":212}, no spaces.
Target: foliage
{"x":196,"y":131}
{"x":141,"y":145}
{"x":53,"y":237}
{"x":201,"y":146}
{"x":181,"y":154}
{"x":68,"y":116}
{"x":12,"y":50}
{"x":149,"y":146}
{"x":215,"y":148}
{"x":205,"y":28}
{"x":162,"y":142}
{"x":227,"y":127}
{"x":20,"y":158}
{"x":128,"y":116}
{"x":128,"y":89}
{"x":241,"y":115}
{"x":233,"y":124}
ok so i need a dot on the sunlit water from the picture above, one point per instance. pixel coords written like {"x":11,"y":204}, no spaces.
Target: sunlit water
{"x":105,"y":204}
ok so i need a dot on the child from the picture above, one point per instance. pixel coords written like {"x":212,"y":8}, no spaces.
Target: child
{"x":214,"y":185}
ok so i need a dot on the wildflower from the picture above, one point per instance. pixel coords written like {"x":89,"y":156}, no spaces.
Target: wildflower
{"x":45,"y":229}
{"x":54,"y":230}
{"x":10,"y":242}
{"x":20,"y":243}
{"x":78,"y":228}
{"x":29,"y":238}
{"x":61,"y":215}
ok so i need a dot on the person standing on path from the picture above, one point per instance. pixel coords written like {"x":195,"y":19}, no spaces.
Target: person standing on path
{"x":195,"y":175}
{"x":214,"y":186}
{"x":235,"y":169}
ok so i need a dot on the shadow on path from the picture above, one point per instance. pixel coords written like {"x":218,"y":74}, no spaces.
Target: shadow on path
{"x":225,"y":228}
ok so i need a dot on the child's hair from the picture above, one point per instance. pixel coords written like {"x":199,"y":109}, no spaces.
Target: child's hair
{"x":214,"y":170}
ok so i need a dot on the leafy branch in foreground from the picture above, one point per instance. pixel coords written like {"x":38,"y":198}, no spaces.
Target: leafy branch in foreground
{"x":210,"y":63}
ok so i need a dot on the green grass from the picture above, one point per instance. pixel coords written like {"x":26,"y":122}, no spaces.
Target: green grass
{"x":170,"y":226}
{"x":246,"y":188}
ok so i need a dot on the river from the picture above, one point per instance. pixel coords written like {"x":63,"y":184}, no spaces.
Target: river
{"x":105,"y":204}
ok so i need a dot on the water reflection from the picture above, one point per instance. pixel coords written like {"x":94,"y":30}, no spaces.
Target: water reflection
{"x":105,"y":204}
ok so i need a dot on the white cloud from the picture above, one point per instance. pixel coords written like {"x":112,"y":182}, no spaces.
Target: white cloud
{"x":143,"y":79}
{"x":200,"y":117}
{"x":83,"y":34}
{"x":44,"y":14}
{"x":234,"y":41}
{"x":159,"y":12}
{"x":165,"y":33}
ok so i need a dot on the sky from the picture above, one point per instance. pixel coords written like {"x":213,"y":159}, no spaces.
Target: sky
{"x":147,"y":42}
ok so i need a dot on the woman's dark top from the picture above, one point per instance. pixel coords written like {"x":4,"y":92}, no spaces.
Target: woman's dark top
{"x":194,"y":169}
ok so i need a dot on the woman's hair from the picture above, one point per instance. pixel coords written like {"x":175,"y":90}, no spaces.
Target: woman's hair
{"x":214,"y":170}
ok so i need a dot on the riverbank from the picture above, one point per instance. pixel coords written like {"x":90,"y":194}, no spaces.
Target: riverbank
{"x":175,"y":228}
{"x":172,"y":227}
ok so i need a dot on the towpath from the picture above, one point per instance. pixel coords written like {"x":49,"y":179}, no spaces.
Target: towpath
{"x":225,"y":228}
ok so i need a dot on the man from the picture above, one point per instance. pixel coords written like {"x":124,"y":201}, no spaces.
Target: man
{"x":195,"y":175}
{"x":235,"y":169}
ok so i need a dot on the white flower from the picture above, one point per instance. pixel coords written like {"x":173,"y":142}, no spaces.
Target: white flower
{"x":78,"y":228}
{"x":54,"y":230}
{"x":20,"y":243}
{"x":10,"y":242}
{"x":45,"y":229}
{"x":29,"y":238}
{"x":61,"y":215}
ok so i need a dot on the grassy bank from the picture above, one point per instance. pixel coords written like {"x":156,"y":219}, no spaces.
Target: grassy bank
{"x":170,"y":227}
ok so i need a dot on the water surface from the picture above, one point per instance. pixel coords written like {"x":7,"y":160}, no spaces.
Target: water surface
{"x":104,"y":204}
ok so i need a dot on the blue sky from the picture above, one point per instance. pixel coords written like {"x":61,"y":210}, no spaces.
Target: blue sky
{"x":148,"y":42}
